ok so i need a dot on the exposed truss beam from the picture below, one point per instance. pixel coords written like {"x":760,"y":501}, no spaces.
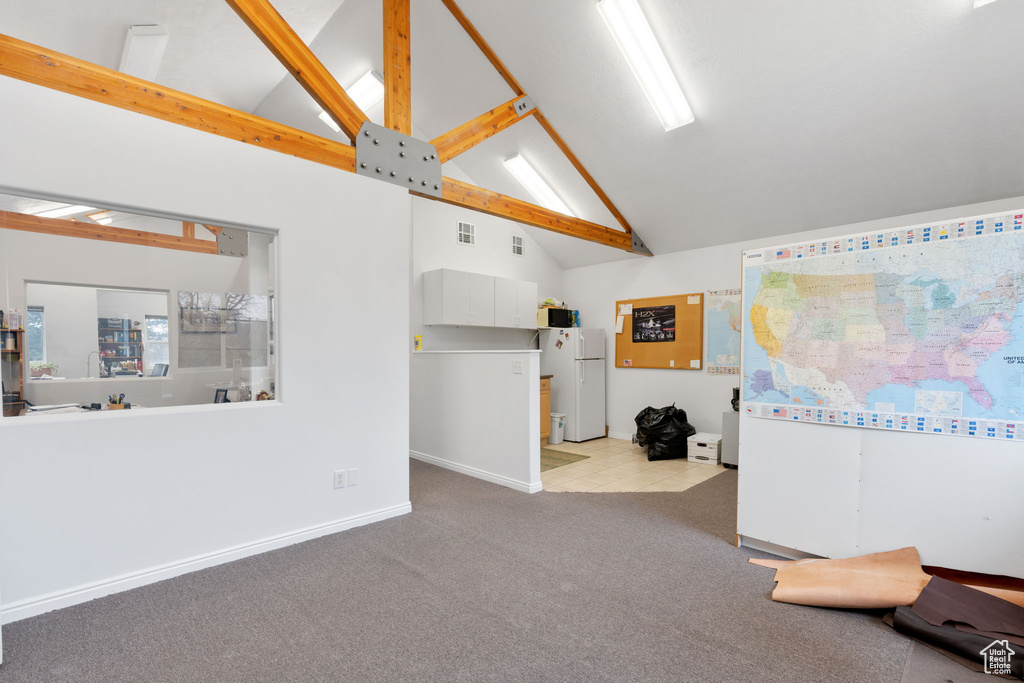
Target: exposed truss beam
{"x":397,"y":67}
{"x":67,"y":228}
{"x":542,"y":120}
{"x":470,"y":196}
{"x":271,"y":28}
{"x":468,"y":135}
{"x":514,"y":84}
{"x":188,"y":230}
{"x":39,"y":66}
{"x":484,"y":47}
{"x":213,"y":228}
{"x":34,"y":64}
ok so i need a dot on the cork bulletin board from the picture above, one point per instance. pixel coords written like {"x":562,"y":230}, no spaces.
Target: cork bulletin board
{"x":660,"y":332}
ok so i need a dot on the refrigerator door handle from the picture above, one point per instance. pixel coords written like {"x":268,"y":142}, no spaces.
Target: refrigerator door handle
{"x":583,"y":373}
{"x":583,"y":346}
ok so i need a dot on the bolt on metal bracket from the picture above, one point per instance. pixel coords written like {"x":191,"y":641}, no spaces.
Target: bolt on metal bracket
{"x":638,"y":245}
{"x":398,"y":159}
{"x":524,"y":105}
{"x":233,"y":242}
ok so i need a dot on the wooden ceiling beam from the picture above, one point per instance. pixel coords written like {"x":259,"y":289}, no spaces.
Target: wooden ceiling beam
{"x":188,"y":230}
{"x":34,"y":64}
{"x":546,"y":125}
{"x":470,"y":134}
{"x":485,"y":201}
{"x":397,"y":67}
{"x":67,"y":228}
{"x":271,"y":28}
{"x":467,"y":25}
{"x":213,"y":228}
{"x":514,"y":84}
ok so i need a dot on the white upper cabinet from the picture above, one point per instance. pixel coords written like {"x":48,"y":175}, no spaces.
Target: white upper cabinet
{"x":526,"y":304}
{"x":455,"y":297}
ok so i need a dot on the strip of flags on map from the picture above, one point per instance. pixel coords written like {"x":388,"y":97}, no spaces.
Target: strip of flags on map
{"x":956,"y":426}
{"x":990,"y":225}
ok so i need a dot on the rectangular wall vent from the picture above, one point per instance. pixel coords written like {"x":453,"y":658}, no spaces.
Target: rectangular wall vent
{"x":517,"y":245}
{"x":467,"y":233}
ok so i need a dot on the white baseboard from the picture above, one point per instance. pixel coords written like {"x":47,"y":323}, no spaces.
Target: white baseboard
{"x":501,"y":480}
{"x":773,"y":548}
{"x":621,"y":435}
{"x":31,"y":607}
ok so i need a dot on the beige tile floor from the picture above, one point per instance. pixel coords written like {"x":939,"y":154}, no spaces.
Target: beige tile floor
{"x":615,"y":465}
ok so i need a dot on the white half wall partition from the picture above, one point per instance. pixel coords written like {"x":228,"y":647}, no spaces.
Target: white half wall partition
{"x":478,"y":413}
{"x":93,"y":504}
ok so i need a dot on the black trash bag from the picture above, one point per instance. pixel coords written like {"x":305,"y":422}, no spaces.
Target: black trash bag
{"x":665,"y":431}
{"x":641,"y":427}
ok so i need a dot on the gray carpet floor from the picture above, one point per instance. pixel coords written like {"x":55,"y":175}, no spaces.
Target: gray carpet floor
{"x":479,"y":583}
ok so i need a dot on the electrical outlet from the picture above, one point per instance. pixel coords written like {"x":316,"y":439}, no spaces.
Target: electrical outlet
{"x":353,"y":476}
{"x":339,"y":478}
{"x":517,"y":367}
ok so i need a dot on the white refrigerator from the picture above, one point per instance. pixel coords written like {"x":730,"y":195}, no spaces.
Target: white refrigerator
{"x":574,"y":356}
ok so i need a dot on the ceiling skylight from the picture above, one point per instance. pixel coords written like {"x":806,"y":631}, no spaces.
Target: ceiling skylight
{"x":529,"y":178}
{"x":635,"y":39}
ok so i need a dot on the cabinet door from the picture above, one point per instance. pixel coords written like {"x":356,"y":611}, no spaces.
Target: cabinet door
{"x":481,"y":303}
{"x":505,"y":306}
{"x":456,"y":299}
{"x":526,"y":304}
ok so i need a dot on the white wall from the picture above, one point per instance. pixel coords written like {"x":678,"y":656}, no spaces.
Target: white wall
{"x":97,"y":503}
{"x":435,"y":227}
{"x":704,"y":397}
{"x":473,"y":414}
{"x":69,"y":329}
{"x":830,"y":491}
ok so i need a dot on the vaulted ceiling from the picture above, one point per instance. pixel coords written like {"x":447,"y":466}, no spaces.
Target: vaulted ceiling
{"x":809,"y":114}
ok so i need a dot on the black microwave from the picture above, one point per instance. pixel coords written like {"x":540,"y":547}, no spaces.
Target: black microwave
{"x":554,"y":317}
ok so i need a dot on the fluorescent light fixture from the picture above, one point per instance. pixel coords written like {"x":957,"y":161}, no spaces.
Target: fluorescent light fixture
{"x":65,"y":211}
{"x":367,"y":91}
{"x":981,"y":3}
{"x":143,"y":51}
{"x":636,"y":40}
{"x":535,"y":185}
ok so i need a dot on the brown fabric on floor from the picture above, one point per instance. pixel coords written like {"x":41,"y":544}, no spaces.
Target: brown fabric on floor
{"x":958,"y":645}
{"x":890,"y":621}
{"x":944,"y":601}
{"x":871,"y":581}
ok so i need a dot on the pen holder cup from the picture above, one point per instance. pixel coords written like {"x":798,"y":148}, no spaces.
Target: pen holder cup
{"x":116,"y":406}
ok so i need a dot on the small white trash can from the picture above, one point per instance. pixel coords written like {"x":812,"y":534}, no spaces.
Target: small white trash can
{"x":557,"y":428}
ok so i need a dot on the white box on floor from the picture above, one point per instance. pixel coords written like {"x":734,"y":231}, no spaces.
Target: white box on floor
{"x":704,"y":447}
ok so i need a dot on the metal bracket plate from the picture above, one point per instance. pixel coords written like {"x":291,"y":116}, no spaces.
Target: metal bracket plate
{"x":524,"y":105}
{"x":638,"y":245}
{"x":398,"y":159}
{"x":233,"y":242}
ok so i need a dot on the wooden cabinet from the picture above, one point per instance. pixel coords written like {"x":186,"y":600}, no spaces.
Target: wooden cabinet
{"x":12,"y":344}
{"x":455,"y":297}
{"x":515,"y":303}
{"x":545,"y":407}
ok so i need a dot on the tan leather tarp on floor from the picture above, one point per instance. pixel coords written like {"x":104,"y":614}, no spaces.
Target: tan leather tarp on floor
{"x":878,"y":580}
